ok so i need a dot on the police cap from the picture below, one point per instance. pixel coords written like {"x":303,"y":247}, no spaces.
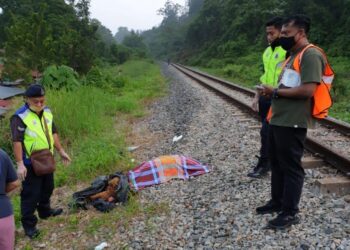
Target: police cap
{"x":35,"y":90}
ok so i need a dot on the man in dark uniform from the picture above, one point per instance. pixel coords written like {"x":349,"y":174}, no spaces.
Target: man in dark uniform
{"x":28,"y":135}
{"x":292,"y":104}
{"x":273,"y":58}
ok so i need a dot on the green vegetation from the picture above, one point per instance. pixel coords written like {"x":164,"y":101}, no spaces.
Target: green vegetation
{"x":41,"y":33}
{"x":227,"y":38}
{"x":57,"y":77}
{"x":87,"y":124}
{"x":95,"y":84}
{"x":86,"y":120}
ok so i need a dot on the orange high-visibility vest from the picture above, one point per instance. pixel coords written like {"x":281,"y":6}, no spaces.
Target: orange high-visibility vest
{"x":322,"y":99}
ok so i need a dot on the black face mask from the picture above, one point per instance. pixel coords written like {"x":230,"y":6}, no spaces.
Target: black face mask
{"x":287,"y":43}
{"x":275,"y":43}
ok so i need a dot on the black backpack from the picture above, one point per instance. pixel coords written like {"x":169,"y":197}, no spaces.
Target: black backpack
{"x":80,"y":199}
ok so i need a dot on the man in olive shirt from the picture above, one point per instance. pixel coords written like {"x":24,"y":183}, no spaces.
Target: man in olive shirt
{"x":291,"y":116}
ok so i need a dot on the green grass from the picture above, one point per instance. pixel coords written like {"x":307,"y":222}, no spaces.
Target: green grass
{"x":341,"y":88}
{"x":244,"y":71}
{"x":87,"y":119}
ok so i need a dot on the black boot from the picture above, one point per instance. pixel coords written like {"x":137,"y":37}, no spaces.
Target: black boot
{"x":261,"y":169}
{"x":283,"y":221}
{"x":51,"y":212}
{"x":32,"y":232}
{"x":258,"y":172}
{"x":269,"y":208}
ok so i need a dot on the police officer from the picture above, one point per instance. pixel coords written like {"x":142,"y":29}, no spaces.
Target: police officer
{"x":273,"y":58}
{"x":27,"y":126}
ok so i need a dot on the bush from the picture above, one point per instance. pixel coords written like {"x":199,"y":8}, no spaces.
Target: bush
{"x":107,"y":78}
{"x":16,"y":70}
{"x":215,"y":63}
{"x":58,"y":77}
{"x":94,"y":77}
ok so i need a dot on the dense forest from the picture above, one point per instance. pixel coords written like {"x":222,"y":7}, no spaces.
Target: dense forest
{"x":38,"y":33}
{"x":227,"y":37}
{"x":224,"y":37}
{"x":234,"y":28}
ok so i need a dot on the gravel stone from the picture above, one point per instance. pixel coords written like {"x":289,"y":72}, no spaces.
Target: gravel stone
{"x":217,"y":210}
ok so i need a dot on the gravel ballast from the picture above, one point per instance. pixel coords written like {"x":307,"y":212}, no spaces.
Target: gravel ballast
{"x":217,"y":210}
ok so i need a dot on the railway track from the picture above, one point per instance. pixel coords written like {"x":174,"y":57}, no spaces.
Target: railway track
{"x":333,"y":136}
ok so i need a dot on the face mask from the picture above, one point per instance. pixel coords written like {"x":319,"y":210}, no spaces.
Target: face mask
{"x":36,"y":109}
{"x":275,"y":43}
{"x":287,"y":43}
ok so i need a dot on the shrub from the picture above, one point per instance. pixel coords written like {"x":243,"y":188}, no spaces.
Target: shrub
{"x":107,"y":78}
{"x":58,"y":77}
{"x":95,"y":77}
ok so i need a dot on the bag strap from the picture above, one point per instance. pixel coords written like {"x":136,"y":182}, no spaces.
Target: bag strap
{"x":47,"y":132}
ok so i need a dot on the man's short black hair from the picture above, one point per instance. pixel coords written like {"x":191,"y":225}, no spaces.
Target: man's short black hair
{"x":276,"y":22}
{"x":300,"y":21}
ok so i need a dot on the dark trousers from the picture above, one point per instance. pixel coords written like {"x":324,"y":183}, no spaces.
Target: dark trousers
{"x":264,"y":106}
{"x":35,"y":195}
{"x":286,"y":147}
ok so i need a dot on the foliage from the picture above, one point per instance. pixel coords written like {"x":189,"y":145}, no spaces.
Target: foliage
{"x":121,"y":34}
{"x":57,"y":77}
{"x":37,"y":34}
{"x":28,"y":40}
{"x":107,"y":78}
{"x":105,"y":41}
{"x":87,"y":127}
{"x":135,"y":42}
{"x":227,"y":38}
{"x":234,"y":27}
{"x":119,"y":54}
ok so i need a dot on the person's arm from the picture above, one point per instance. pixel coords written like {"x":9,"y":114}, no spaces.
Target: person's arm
{"x":311,"y":70}
{"x":304,"y":91}
{"x":11,"y":177}
{"x":64,"y":156}
{"x":12,"y":186}
{"x":17,"y":130}
{"x":17,"y":150}
{"x":21,"y":169}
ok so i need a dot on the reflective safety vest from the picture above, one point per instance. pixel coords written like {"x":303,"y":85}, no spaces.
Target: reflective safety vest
{"x":34,"y":134}
{"x":273,"y":61}
{"x":322,"y":99}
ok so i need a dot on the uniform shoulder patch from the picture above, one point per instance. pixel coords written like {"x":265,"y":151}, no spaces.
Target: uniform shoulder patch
{"x":19,"y":128}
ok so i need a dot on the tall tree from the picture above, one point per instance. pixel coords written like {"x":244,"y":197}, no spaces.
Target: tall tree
{"x":43,"y":32}
{"x":121,"y":34}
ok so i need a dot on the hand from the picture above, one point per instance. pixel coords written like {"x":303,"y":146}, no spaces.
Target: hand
{"x":21,"y":171}
{"x":65,"y":157}
{"x":267,"y":90}
{"x":255,"y":105}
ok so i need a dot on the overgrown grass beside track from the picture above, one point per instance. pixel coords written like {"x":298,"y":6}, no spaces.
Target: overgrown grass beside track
{"x":92,"y":122}
{"x":247,"y":70}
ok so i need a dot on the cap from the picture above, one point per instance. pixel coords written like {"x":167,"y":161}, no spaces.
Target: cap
{"x":35,"y":90}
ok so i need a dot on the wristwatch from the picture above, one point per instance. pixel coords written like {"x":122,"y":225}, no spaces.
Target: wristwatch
{"x":274,"y":93}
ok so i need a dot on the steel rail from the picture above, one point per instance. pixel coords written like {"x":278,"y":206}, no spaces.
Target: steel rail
{"x":334,"y":158}
{"x":329,"y":122}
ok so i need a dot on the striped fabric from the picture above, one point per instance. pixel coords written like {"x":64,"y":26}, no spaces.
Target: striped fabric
{"x":163,"y":169}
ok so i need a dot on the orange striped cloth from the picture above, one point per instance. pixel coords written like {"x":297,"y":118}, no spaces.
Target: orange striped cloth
{"x":163,"y":169}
